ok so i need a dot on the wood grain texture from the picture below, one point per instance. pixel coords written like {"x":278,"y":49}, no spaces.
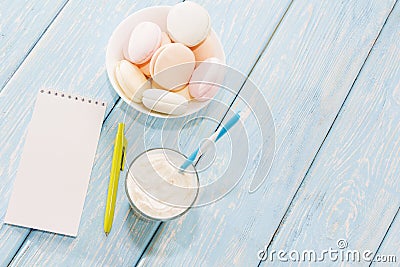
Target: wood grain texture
{"x":69,"y":57}
{"x":352,"y":190}
{"x":213,"y":231}
{"x":390,"y":245}
{"x":45,"y":248}
{"x":305,"y":73}
{"x":22,"y":23}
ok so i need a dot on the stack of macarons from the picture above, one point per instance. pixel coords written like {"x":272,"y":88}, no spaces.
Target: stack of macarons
{"x":165,"y":70}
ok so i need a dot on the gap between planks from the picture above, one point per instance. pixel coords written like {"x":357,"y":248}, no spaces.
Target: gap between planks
{"x":384,"y":236}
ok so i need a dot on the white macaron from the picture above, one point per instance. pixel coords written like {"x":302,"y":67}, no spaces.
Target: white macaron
{"x":188,"y":23}
{"x":131,"y":80}
{"x":164,"y":102}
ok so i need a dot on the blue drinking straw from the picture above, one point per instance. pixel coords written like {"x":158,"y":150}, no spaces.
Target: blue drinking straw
{"x":214,"y":138}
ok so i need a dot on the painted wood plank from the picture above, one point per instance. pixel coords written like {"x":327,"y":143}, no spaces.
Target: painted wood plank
{"x":22,"y":23}
{"x":69,"y":57}
{"x":305,"y":73}
{"x":390,"y":245}
{"x":45,"y":248}
{"x":352,"y":190}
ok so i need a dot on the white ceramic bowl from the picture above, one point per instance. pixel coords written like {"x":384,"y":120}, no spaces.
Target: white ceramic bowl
{"x":120,"y":36}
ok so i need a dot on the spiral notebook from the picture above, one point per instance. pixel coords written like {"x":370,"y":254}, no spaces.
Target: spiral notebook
{"x":54,"y":171}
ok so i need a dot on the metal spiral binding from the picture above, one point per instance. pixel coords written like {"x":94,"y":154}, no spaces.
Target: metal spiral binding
{"x":72,"y":97}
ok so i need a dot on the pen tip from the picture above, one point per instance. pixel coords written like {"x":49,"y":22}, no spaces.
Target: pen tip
{"x":106,"y":234}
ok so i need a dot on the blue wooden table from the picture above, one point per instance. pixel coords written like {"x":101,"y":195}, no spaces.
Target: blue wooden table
{"x":330,"y":72}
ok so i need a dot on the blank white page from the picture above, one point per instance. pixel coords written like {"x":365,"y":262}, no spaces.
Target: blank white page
{"x":54,"y":171}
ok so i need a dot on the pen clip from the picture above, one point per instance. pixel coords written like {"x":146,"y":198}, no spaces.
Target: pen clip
{"x":123,"y":159}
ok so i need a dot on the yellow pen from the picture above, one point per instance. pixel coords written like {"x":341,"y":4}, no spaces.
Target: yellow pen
{"x":118,"y":162}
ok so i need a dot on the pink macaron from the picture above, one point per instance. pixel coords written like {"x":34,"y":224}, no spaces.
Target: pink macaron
{"x":145,"y":39}
{"x":206,"y":79}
